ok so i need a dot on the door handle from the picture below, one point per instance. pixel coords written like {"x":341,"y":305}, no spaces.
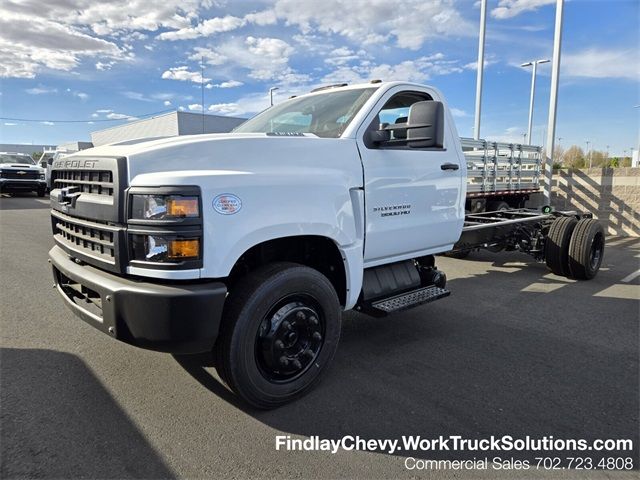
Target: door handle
{"x":449,"y":166}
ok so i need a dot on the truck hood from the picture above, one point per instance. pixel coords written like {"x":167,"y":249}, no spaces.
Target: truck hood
{"x":20,"y":166}
{"x":224,"y":153}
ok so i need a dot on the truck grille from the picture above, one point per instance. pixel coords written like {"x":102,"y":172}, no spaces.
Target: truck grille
{"x":87,"y":238}
{"x":97,"y":182}
{"x":21,"y":174}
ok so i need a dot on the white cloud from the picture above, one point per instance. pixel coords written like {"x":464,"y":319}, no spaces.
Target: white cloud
{"x":47,"y":123}
{"x":407,"y":24}
{"x":41,"y":90}
{"x":342,"y":55}
{"x":224,"y":108}
{"x":167,"y":103}
{"x":104,"y":65}
{"x":474,"y":65}
{"x":30,"y":42}
{"x":266,"y":17}
{"x":511,"y":8}
{"x":61,"y":34}
{"x":81,"y":95}
{"x":103,"y":110}
{"x":10,"y":124}
{"x":227,"y":84}
{"x":183,"y":74}
{"x":205,"y":29}
{"x":418,"y":70}
{"x":209,"y":55}
{"x":266,"y":58}
{"x":456,"y":112}
{"x":600,"y":63}
{"x":510,"y":135}
{"x":119,"y":116}
{"x":195,"y":107}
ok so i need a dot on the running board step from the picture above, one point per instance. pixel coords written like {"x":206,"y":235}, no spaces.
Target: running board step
{"x":410,"y":299}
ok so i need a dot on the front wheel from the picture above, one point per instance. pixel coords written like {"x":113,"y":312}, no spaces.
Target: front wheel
{"x":41,"y":192}
{"x":279,"y":332}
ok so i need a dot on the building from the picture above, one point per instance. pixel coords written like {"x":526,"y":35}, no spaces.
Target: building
{"x":166,"y":125}
{"x":25,"y":148}
{"x":75,"y":146}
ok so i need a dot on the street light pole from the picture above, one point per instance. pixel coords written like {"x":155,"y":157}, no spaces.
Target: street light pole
{"x":271,"y":90}
{"x":480,"y":72}
{"x":534,"y":72}
{"x":553,"y":101}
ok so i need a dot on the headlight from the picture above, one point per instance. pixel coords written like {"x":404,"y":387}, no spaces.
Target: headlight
{"x":163,"y":248}
{"x":42,"y":176}
{"x":164,"y":207}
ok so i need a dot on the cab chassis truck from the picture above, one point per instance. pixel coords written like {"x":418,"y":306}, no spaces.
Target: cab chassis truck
{"x":250,"y":244}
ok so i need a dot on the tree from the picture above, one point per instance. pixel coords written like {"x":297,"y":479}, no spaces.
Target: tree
{"x":573,"y":157}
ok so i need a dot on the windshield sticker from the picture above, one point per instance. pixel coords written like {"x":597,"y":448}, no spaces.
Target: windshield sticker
{"x":227,"y":204}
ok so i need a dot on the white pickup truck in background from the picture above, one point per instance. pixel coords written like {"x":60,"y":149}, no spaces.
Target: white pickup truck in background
{"x":251,"y":244}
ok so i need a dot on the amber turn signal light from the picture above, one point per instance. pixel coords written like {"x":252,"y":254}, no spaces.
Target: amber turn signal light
{"x":182,"y":249}
{"x":183,"y":207}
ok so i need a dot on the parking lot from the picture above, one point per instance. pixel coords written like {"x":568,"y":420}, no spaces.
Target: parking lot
{"x":514,"y":350}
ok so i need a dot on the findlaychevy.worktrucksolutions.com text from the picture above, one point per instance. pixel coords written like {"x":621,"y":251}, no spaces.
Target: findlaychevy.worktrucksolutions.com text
{"x":453,"y":443}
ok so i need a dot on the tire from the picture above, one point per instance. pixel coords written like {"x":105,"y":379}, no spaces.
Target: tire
{"x":586,"y":249}
{"x":556,"y":245}
{"x":497,"y":206}
{"x":41,"y":192}
{"x":280,"y":302}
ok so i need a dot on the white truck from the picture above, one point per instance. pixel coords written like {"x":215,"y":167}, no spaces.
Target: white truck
{"x":250,"y":244}
{"x":19,"y":173}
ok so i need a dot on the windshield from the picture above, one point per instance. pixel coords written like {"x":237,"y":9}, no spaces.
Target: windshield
{"x":9,"y":158}
{"x":326,"y":115}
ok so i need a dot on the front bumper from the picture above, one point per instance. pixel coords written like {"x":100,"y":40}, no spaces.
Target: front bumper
{"x":169,"y":317}
{"x":8,"y":184}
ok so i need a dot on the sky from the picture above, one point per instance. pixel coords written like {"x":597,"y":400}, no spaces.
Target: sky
{"x":99,"y":64}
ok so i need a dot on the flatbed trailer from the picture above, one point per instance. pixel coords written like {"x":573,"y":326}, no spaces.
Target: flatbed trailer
{"x":500,"y":175}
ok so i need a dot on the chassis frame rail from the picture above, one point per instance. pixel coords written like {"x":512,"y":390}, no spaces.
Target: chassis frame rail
{"x":520,"y":229}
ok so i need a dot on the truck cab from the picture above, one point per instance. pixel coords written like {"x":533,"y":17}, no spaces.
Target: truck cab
{"x":250,"y":244}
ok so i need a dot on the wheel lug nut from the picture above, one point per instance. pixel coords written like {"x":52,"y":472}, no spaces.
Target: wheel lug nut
{"x":284,"y":361}
{"x":279,"y":344}
{"x":308,"y":353}
{"x":301,"y":315}
{"x":313,"y":320}
{"x":296,"y":363}
{"x":286,"y":325}
{"x":316,"y":336}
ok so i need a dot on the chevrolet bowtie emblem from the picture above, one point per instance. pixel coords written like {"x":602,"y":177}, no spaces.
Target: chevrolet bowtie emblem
{"x":21,"y":172}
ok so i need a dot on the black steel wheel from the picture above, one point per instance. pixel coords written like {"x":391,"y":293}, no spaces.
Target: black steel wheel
{"x":279,"y":332}
{"x":586,"y":249}
{"x":556,"y":246}
{"x":290,"y":338}
{"x":497,"y":206}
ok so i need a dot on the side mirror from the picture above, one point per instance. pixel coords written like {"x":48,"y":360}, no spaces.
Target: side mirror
{"x":425,"y":126}
{"x":376,"y":137}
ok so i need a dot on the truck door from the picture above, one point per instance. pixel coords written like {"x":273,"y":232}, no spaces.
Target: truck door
{"x":414,"y":195}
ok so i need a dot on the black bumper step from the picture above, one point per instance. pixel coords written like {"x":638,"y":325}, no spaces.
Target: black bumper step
{"x":410,"y":299}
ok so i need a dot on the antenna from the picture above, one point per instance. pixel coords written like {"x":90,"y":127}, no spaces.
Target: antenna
{"x":202,"y":89}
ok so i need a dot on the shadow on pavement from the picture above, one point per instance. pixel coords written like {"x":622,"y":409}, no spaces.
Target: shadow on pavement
{"x":58,"y":421}
{"x":562,"y":363}
{"x":23,"y":201}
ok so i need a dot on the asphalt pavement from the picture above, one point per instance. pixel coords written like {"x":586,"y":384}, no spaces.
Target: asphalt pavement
{"x":514,"y":351}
